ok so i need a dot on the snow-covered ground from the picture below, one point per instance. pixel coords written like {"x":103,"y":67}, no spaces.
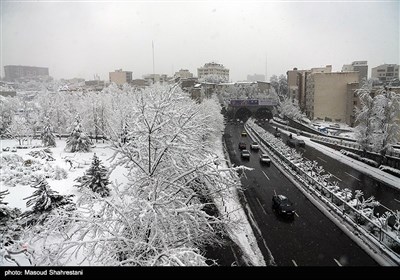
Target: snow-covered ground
{"x":242,"y":234}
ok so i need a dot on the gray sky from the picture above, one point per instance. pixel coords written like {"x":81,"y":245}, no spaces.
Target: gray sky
{"x":79,"y":39}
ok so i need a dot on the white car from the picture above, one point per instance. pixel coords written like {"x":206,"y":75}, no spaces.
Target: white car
{"x":254,"y":146}
{"x":264,"y":159}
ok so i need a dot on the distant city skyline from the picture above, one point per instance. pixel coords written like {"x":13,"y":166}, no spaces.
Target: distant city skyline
{"x":84,"y":39}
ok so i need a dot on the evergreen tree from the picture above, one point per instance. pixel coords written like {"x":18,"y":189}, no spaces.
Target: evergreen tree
{"x":96,"y":178}
{"x":78,"y":140}
{"x":44,"y":199}
{"x":48,"y":138}
{"x":9,"y":229}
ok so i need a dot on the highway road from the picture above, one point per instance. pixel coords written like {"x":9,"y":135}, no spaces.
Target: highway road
{"x":310,"y":239}
{"x":348,"y":177}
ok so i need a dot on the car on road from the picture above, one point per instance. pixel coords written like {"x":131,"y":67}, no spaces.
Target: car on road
{"x":283,"y":205}
{"x":264,"y":159}
{"x":242,"y":146}
{"x":245,"y":154}
{"x":291,"y":143}
{"x":301,"y":143}
{"x":254,"y":146}
{"x":244,"y":133}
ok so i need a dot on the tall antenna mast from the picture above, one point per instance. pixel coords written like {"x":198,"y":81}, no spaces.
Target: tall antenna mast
{"x":266,"y":67}
{"x":152,"y":44}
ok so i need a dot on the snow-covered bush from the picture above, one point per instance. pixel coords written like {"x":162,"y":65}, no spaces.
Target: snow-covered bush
{"x":46,"y":154}
{"x":17,"y":171}
{"x":390,"y":170}
{"x":44,"y":199}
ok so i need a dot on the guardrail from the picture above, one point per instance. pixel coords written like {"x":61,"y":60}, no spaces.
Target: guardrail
{"x":342,"y":143}
{"x":362,"y":220}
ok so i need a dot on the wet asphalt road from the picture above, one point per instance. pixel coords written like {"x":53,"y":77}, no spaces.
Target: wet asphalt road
{"x":310,"y":239}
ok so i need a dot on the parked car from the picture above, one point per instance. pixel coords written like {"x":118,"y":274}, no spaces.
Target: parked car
{"x":283,"y":205}
{"x":254,"y":146}
{"x":14,"y":149}
{"x":244,"y":133}
{"x":242,"y":146}
{"x":245,"y":154}
{"x":6,"y":149}
{"x":264,"y":159}
{"x":277,"y":134}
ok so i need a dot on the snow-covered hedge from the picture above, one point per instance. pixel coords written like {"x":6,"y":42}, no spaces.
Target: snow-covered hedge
{"x":362,"y":159}
{"x":17,"y":171}
{"x":390,"y":170}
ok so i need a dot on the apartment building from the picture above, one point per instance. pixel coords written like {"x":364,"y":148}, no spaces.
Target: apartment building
{"x":359,"y":66}
{"x":183,"y":74}
{"x":213,"y":68}
{"x":120,"y":77}
{"x":297,"y":83}
{"x":15,"y":72}
{"x":385,"y":72}
{"x":331,"y":96}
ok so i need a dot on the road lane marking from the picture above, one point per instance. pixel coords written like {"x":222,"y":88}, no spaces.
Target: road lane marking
{"x":295,"y":264}
{"x":322,"y":159}
{"x":261,"y":206}
{"x":338,"y":263}
{"x":336,"y":177}
{"x":352,"y":176}
{"x":265,"y":175}
{"x":296,"y":214}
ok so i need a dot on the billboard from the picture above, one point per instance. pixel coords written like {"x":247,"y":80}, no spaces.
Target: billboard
{"x":244,"y":102}
{"x":268,"y":102}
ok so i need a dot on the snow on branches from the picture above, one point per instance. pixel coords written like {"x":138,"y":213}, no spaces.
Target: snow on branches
{"x":78,"y":141}
{"x":95,"y":178}
{"x":164,"y":215}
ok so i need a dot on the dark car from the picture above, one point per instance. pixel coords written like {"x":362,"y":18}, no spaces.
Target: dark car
{"x":291,"y":143}
{"x":254,"y":146}
{"x":245,"y":154}
{"x":301,"y":143}
{"x":244,"y":133}
{"x":283,"y":205}
{"x":242,"y":146}
{"x":264,"y":159}
{"x":277,"y":134}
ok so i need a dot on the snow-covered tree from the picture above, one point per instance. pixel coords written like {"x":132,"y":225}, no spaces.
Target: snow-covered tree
{"x":365,"y":116}
{"x":78,"y":141}
{"x":290,"y":109}
{"x":48,"y":138}
{"x":95,"y":178}
{"x":387,"y":108}
{"x":44,"y":199}
{"x":162,"y":216}
{"x":20,"y":129}
{"x":274,"y":83}
{"x":283,"y":86}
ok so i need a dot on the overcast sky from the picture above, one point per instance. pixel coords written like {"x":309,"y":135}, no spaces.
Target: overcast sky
{"x":80,"y":39}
